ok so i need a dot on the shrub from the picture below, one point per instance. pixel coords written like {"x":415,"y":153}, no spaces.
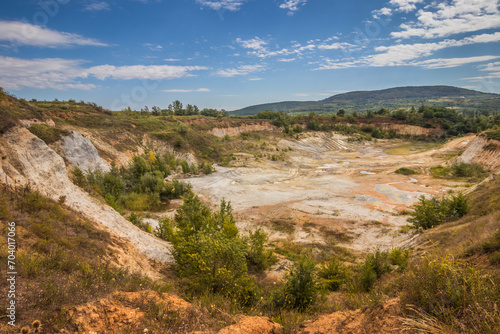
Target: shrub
{"x":405,"y":171}
{"x":257,"y":256}
{"x":468,"y":170}
{"x":209,"y":253}
{"x":185,"y":167}
{"x":47,"y":133}
{"x":380,"y":263}
{"x":432,"y":212}
{"x":332,"y":274}
{"x":137,"y":221}
{"x":301,"y":288}
{"x":78,"y":177}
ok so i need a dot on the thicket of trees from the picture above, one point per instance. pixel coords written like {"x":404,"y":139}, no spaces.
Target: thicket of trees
{"x":176,"y":108}
{"x":452,"y":122}
{"x":141,"y":186}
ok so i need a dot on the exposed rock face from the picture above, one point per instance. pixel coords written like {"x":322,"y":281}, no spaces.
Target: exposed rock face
{"x":29,"y":161}
{"x":234,"y":131}
{"x":82,"y":153}
{"x":483,"y":151}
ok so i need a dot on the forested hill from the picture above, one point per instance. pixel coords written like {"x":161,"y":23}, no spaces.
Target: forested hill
{"x":392,"y":98}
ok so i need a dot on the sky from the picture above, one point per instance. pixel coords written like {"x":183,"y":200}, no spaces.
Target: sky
{"x":228,"y":54}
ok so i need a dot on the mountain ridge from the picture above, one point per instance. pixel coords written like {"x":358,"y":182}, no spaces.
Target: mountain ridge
{"x":396,"y":97}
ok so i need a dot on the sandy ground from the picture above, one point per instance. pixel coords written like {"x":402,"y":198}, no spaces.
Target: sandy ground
{"x":329,"y":189}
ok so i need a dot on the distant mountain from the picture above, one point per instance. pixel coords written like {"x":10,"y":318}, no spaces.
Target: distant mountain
{"x":392,"y":98}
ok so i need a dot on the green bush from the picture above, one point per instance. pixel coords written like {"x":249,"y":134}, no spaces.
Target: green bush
{"x":209,"y":253}
{"x":380,"y":263}
{"x":137,"y":221}
{"x":185,"y":167}
{"x":468,"y":170}
{"x":332,"y":275}
{"x":405,"y":171}
{"x":47,"y":133}
{"x":258,"y":257}
{"x":432,"y":212}
{"x":301,"y":287}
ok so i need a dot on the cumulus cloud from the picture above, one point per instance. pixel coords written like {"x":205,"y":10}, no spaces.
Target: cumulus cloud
{"x":253,"y":43}
{"x":405,"y":6}
{"x":231,"y":5}
{"x":382,"y":12}
{"x":292,"y":5}
{"x":22,"y":33}
{"x":62,"y":74}
{"x":240,"y":70}
{"x":444,"y":19}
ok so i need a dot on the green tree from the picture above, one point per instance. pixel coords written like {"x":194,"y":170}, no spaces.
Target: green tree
{"x":300,"y":290}
{"x":209,"y":253}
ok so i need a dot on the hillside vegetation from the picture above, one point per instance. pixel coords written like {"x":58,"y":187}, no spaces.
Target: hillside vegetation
{"x":72,"y":274}
{"x":463,"y":100}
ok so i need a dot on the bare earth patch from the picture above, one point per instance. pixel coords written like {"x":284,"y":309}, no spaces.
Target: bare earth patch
{"x":333,"y":184}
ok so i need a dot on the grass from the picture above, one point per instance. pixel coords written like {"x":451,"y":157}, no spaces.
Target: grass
{"x":63,"y":259}
{"x":472,"y":172}
{"x":47,"y":133}
{"x":413,"y":148}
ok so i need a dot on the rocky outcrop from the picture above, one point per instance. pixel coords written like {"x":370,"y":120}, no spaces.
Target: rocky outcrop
{"x":82,"y":153}
{"x":483,"y":151}
{"x":27,"y":160}
{"x":235,"y":131}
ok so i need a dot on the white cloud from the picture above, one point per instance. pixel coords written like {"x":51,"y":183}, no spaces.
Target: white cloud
{"x":186,"y":90}
{"x":21,"y":33}
{"x":452,"y":62}
{"x":292,"y":5}
{"x":241,"y":70}
{"x":286,"y":60}
{"x":255,"y":79}
{"x":153,"y":47}
{"x":255,"y":43}
{"x":405,"y":5}
{"x":55,"y":73}
{"x":493,"y":68}
{"x":442,"y":19}
{"x":231,"y":5}
{"x":382,"y":12}
{"x":97,"y":6}
{"x":62,"y":74}
{"x":408,"y":54}
{"x":171,"y":59}
{"x":152,"y":72}
{"x":335,"y":46}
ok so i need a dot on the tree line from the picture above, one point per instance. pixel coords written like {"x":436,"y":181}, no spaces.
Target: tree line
{"x":176,"y":108}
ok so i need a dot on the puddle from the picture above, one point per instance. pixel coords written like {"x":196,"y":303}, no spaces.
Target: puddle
{"x":364,"y":172}
{"x":327,"y":166}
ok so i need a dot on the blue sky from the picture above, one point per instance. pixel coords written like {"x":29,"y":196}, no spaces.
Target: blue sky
{"x":234,"y":53}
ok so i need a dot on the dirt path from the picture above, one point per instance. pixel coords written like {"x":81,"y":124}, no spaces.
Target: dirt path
{"x":328,"y":187}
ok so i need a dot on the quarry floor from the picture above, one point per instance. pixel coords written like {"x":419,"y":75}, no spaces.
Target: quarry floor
{"x":328,"y":189}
